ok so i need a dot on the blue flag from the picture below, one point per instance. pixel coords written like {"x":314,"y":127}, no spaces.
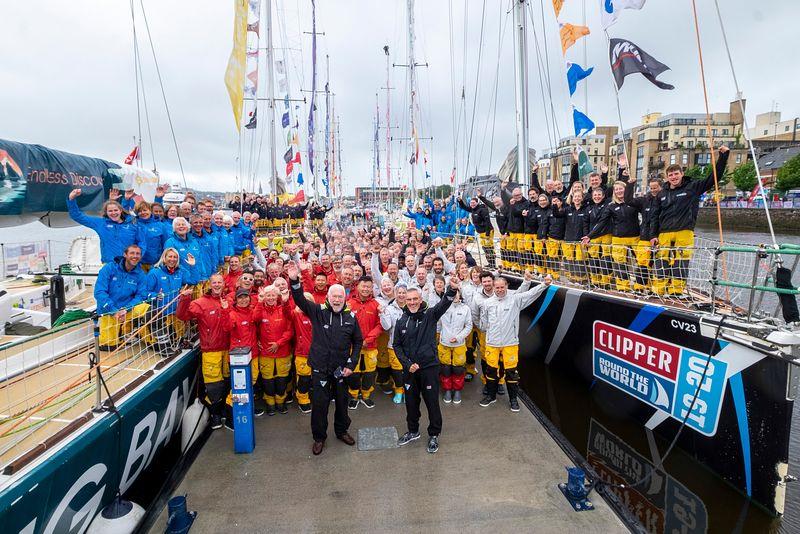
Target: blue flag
{"x":575,"y":73}
{"x":583,"y":124}
{"x":286,"y":101}
{"x":285,"y":119}
{"x":300,"y":178}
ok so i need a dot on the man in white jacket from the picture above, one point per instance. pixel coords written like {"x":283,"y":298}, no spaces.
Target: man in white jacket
{"x":456,"y":325}
{"x":499,"y":318}
{"x":390,"y":313}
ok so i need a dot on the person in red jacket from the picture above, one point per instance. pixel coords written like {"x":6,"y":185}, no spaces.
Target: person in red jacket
{"x":302,"y":344}
{"x":241,"y":324}
{"x":363,"y":305}
{"x":207,"y":311}
{"x":246,"y":281}
{"x":274,"y":339}
{"x":317,"y":285}
{"x":234,"y":272}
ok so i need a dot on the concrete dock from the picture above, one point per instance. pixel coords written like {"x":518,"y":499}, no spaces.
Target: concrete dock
{"x":495,"y":471}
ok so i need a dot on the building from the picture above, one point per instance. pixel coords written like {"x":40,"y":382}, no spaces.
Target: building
{"x":770,"y":163}
{"x":683,"y":139}
{"x":366,"y":196}
{"x":770,"y":127}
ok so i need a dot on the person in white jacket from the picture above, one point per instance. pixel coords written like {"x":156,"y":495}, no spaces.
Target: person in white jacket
{"x":384,"y":295}
{"x":456,"y":325}
{"x":389,"y":314}
{"x":499,"y":318}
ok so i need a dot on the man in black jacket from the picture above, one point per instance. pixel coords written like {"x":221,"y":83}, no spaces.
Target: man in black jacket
{"x":483,"y":226}
{"x":336,"y":341}
{"x":416,"y":349}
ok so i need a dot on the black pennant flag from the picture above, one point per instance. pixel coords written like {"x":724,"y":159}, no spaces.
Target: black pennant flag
{"x":627,"y":58}
{"x":287,"y":157}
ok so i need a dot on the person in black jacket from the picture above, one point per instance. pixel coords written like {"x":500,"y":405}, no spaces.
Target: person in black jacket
{"x":416,"y":349}
{"x":336,"y":341}
{"x":575,"y":227}
{"x":517,"y":204}
{"x":599,"y":250}
{"x":480,"y":220}
{"x":672,"y":224}
{"x":499,"y":212}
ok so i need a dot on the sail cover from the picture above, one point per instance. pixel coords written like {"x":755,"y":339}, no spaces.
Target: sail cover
{"x":35,"y":182}
{"x":508,"y":171}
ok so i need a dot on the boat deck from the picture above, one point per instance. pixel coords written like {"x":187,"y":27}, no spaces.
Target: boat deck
{"x":495,"y":471}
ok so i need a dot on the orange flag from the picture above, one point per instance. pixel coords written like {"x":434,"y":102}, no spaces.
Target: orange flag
{"x":571,"y":33}
{"x":557,"y":5}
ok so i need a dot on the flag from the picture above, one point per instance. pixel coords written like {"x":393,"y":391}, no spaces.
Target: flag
{"x":575,"y":73}
{"x":253,"y":27}
{"x":289,"y":167}
{"x":286,"y":101}
{"x":299,"y":197}
{"x":627,"y":58}
{"x":453,"y":176}
{"x":296,"y":158}
{"x":610,"y":9}
{"x":234,"y":73}
{"x":287,"y":157}
{"x":130,"y":158}
{"x":557,"y":5}
{"x":571,"y":33}
{"x":285,"y":120}
{"x":280,"y":67}
{"x":253,"y":122}
{"x":754,"y":194}
{"x":300,"y":178}
{"x":584,"y":165}
{"x":581,"y":122}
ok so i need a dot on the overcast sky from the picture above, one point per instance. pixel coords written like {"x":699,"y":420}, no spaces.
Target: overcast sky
{"x":68,"y":79}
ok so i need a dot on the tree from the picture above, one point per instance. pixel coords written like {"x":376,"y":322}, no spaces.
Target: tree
{"x":744,"y":177}
{"x":698,"y":172}
{"x":789,"y":175}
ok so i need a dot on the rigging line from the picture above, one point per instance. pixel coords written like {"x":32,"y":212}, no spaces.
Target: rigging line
{"x":550,"y":135}
{"x":547,"y":63}
{"x":136,"y":76}
{"x":619,"y":109}
{"x":492,"y":112}
{"x":452,"y":82}
{"x":710,"y":141}
{"x":746,"y":128}
{"x":477,"y":79}
{"x":163,"y":93}
{"x":146,"y":113}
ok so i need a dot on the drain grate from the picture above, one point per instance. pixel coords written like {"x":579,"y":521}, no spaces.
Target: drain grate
{"x":376,"y":438}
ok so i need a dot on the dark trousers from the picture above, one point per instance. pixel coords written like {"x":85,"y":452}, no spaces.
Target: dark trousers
{"x":324,"y":388}
{"x":423,"y":382}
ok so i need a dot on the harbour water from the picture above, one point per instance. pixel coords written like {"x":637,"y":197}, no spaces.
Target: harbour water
{"x":682,"y":494}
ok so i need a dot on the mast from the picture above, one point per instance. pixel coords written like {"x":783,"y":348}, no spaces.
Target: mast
{"x":521,"y":89}
{"x":273,"y":166}
{"x":313,"y":154}
{"x":388,"y":129}
{"x":328,"y":172}
{"x":412,"y":75}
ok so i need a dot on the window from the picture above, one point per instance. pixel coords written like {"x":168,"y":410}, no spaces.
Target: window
{"x":766,"y":132}
{"x":684,"y":159}
{"x":724,"y":131}
{"x":691,"y":144}
{"x":676,"y":131}
{"x":690,"y":132}
{"x":702,"y":159}
{"x":714,"y":132}
{"x":672,"y":159}
{"x":666,"y":135}
{"x":738,"y":158}
{"x":787,"y":128}
{"x":639,"y":160}
{"x":640,"y":138}
{"x":702,"y":132}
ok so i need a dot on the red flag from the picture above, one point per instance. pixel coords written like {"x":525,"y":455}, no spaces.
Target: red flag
{"x":453,"y":176}
{"x":289,"y":167}
{"x":133,"y":156}
{"x":753,"y":195}
{"x":296,"y":158}
{"x":299,"y":197}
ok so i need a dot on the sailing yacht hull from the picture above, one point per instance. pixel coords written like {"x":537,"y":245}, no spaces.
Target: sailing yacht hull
{"x":63,"y":489}
{"x":644,"y":363}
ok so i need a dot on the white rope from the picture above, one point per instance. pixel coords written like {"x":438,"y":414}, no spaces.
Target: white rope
{"x":745,"y":126}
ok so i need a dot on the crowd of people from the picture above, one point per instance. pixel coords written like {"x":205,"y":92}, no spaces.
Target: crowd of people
{"x":597,"y":232}
{"x":332,"y":312}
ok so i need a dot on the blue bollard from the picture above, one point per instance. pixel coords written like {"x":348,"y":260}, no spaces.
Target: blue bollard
{"x":575,"y":489}
{"x":179,"y":520}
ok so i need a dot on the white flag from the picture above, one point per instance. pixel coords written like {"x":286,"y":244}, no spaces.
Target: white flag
{"x":610,"y":9}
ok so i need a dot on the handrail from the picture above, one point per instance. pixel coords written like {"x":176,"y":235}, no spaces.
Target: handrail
{"x":784,"y":249}
{"x":767,"y":289}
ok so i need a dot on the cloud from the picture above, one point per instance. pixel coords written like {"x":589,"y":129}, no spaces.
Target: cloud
{"x":69,"y":84}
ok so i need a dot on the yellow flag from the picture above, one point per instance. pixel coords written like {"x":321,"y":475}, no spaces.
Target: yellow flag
{"x":234,"y":74}
{"x":557,"y":5}
{"x":571,"y":33}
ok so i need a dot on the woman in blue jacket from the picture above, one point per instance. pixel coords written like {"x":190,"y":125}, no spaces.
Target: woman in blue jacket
{"x":187,"y":248}
{"x":115,"y":229}
{"x":164,"y":283}
{"x":153,"y":232}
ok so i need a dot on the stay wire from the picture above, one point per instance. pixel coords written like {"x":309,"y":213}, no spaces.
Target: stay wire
{"x":163,"y":93}
{"x":477,"y":80}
